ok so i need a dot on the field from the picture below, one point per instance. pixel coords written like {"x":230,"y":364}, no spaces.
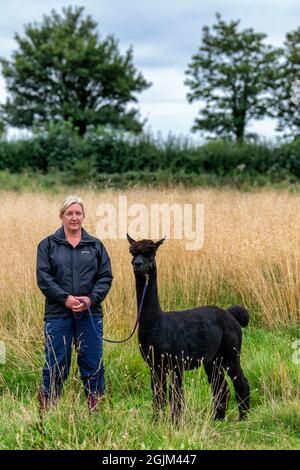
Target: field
{"x":250,"y":256}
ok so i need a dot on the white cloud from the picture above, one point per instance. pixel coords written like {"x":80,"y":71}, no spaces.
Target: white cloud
{"x":265,"y":128}
{"x":7,"y":45}
{"x":167,"y":84}
{"x":167,"y":116}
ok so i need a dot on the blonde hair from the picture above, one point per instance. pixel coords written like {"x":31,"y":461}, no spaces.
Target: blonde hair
{"x":67,"y":203}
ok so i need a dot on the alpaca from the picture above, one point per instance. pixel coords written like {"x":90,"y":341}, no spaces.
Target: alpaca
{"x":172,"y":342}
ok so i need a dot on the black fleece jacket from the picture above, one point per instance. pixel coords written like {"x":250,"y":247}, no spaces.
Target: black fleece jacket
{"x":63,"y":270}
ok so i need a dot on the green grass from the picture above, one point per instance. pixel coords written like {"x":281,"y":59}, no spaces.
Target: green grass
{"x":125,"y":421}
{"x":57,"y":181}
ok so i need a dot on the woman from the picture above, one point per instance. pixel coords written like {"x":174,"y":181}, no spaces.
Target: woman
{"x":73,"y":272}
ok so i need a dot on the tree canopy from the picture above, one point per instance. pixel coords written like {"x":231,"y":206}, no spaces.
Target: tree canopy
{"x":63,"y":71}
{"x":287,"y":93}
{"x":233,"y":75}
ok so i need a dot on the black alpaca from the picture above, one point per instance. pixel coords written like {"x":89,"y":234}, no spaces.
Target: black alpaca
{"x":172,"y":342}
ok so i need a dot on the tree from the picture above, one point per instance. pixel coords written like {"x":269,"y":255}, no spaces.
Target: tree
{"x":233,"y":74}
{"x":287,"y":93}
{"x":2,"y":127}
{"x":62,"y":71}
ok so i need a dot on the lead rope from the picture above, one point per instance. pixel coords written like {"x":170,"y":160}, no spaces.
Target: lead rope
{"x":79,"y":316}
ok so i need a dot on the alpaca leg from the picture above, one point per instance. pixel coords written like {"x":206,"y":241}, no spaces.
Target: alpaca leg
{"x":220,"y":389}
{"x":241,"y":386}
{"x":159,"y":385}
{"x":176,"y":395}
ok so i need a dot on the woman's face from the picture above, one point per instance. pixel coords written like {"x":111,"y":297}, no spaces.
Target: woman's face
{"x":73,"y":217}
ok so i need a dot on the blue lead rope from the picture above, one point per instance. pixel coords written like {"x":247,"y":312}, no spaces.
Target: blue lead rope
{"x":79,"y":316}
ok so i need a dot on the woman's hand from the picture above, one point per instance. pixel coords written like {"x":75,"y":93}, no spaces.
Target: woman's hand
{"x":84,"y":303}
{"x":71,"y":301}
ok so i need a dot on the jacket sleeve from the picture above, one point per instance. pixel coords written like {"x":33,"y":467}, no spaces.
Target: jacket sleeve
{"x":45,"y":279}
{"x":103,"y":278}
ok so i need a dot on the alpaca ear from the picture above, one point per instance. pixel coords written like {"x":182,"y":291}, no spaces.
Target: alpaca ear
{"x":131,"y":240}
{"x":160,"y":242}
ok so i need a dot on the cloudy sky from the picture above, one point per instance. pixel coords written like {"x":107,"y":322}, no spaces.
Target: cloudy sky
{"x":164,"y":35}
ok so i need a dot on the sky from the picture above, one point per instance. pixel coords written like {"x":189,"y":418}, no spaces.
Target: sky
{"x":164,"y":35}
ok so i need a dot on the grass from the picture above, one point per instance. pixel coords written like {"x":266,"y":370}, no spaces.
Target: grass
{"x":57,"y":181}
{"x":250,"y":256}
{"x":126,"y":421}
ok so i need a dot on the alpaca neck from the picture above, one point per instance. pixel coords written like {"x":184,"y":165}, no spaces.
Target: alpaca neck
{"x":151,"y":306}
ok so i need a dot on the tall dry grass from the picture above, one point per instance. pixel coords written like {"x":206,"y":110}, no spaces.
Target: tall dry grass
{"x":250,"y":255}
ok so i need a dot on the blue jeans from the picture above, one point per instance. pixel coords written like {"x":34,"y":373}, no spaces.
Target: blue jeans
{"x":60,"y":334}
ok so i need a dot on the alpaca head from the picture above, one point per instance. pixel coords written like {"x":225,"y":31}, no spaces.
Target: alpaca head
{"x":143,"y":252}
